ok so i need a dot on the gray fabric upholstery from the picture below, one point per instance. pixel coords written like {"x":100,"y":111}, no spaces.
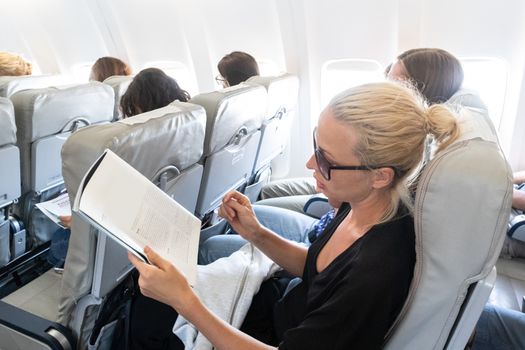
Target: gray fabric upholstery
{"x":228,"y":110}
{"x":173,"y":135}
{"x":120,"y":84}
{"x":7,"y":122}
{"x":40,"y":113}
{"x":461,"y":209}
{"x":9,"y":156}
{"x":10,"y":85}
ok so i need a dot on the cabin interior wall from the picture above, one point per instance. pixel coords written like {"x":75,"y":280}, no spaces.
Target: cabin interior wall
{"x":293,"y":36}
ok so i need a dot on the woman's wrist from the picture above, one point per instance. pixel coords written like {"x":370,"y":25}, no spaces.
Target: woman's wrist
{"x":186,"y":303}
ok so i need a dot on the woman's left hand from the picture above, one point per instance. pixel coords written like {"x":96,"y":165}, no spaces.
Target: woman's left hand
{"x":162,"y":281}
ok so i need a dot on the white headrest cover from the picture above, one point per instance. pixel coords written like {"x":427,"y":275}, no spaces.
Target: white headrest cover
{"x":230,"y":109}
{"x":172,"y":135}
{"x":44,"y":112}
{"x":120,"y":84}
{"x":12,"y":84}
{"x":282,"y":92}
{"x":7,"y":122}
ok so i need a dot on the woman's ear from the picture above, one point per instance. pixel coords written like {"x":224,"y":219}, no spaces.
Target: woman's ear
{"x":383,"y":177}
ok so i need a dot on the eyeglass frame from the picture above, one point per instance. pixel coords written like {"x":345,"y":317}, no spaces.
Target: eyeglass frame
{"x":318,"y":153}
{"x":219,"y":79}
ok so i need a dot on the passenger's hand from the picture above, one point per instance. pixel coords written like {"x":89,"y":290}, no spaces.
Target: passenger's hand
{"x":65,"y":220}
{"x":163,"y":282}
{"x":237,"y":209}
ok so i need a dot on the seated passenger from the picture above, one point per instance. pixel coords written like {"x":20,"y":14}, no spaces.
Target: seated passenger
{"x":106,"y":67}
{"x":499,"y":328}
{"x":151,"y":89}
{"x":368,"y":142}
{"x":13,"y":65}
{"x":435,"y":73}
{"x":514,"y":248}
{"x":236,"y":67}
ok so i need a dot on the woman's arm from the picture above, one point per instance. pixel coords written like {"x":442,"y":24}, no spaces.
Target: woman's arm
{"x":163,"y":282}
{"x":519,"y":177}
{"x":518,"y":199}
{"x":237,"y":209}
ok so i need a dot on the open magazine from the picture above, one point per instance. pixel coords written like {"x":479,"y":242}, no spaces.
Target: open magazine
{"x":125,"y":205}
{"x":56,"y":207}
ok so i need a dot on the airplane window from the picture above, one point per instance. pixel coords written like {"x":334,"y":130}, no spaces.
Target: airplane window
{"x":178,"y":71}
{"x":268,"y":68}
{"x":339,"y":75}
{"x":80,"y":72}
{"x":488,"y":76}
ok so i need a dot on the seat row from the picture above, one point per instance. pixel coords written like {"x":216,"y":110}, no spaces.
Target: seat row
{"x":219,"y":141}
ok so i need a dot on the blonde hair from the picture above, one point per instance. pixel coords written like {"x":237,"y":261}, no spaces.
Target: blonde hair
{"x":11,"y":65}
{"x":393,"y":122}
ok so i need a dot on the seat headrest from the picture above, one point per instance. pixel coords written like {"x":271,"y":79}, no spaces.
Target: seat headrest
{"x":44,"y":112}
{"x":12,"y":84}
{"x":467,"y":98}
{"x":282,"y":92}
{"x":7,"y":122}
{"x":230,"y":109}
{"x":172,"y":135}
{"x":120,"y":84}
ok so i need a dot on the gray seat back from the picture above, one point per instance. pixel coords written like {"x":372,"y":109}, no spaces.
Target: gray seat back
{"x":282,"y":103}
{"x":461,"y":210}
{"x":167,"y":140}
{"x":120,"y":84}
{"x":9,"y":155}
{"x":45,"y":118}
{"x":9,"y":85}
{"x":234,"y":117}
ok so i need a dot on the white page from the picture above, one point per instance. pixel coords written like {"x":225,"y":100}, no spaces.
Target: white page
{"x":131,"y":207}
{"x":56,"y":207}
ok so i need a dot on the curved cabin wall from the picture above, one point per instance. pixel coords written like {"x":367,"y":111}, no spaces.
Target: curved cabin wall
{"x":67,"y":36}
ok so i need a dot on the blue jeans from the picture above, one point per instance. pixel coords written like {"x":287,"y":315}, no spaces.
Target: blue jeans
{"x":500,"y":329}
{"x":58,"y":248}
{"x":286,"y":223}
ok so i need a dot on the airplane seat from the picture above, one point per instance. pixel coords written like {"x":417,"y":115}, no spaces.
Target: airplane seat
{"x":282,"y":103}
{"x":44,"y":119}
{"x":9,"y":85}
{"x":234,"y":117}
{"x":461,"y":210}
{"x":95,"y":264}
{"x":9,"y":181}
{"x":120,"y":84}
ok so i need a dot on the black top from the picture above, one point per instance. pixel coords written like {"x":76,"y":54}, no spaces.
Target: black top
{"x":353,"y":302}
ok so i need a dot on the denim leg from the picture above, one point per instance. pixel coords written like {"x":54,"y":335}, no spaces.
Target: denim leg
{"x":286,"y":223}
{"x":500,"y":329}
{"x":217,"y":247}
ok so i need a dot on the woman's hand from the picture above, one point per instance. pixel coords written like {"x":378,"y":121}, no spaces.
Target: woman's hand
{"x":237,"y":209}
{"x":65,"y":220}
{"x":163,"y":282}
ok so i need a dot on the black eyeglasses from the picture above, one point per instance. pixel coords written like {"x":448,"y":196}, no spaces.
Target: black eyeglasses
{"x":325,"y":168}
{"x":220,"y":80}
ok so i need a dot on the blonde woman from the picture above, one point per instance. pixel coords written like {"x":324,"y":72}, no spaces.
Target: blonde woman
{"x":356,"y":275}
{"x":12,"y":65}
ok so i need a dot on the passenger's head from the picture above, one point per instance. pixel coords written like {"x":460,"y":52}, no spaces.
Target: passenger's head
{"x":381,"y":128}
{"x":436,"y":73}
{"x":149,"y":90}
{"x":106,"y":67}
{"x":12,"y":65}
{"x":237,"y":67}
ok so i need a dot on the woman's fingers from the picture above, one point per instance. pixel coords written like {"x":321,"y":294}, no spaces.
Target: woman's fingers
{"x":156,"y":259}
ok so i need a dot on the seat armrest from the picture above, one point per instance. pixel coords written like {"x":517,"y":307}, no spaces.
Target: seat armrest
{"x":20,"y":329}
{"x":317,"y":206}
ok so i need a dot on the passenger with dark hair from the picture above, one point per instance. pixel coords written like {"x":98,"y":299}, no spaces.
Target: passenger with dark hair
{"x":106,"y":67}
{"x":149,"y":90}
{"x":435,"y":73}
{"x":236,"y":67}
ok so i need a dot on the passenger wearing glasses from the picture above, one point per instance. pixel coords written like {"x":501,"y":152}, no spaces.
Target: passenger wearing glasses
{"x":356,"y":275}
{"x":236,"y":67}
